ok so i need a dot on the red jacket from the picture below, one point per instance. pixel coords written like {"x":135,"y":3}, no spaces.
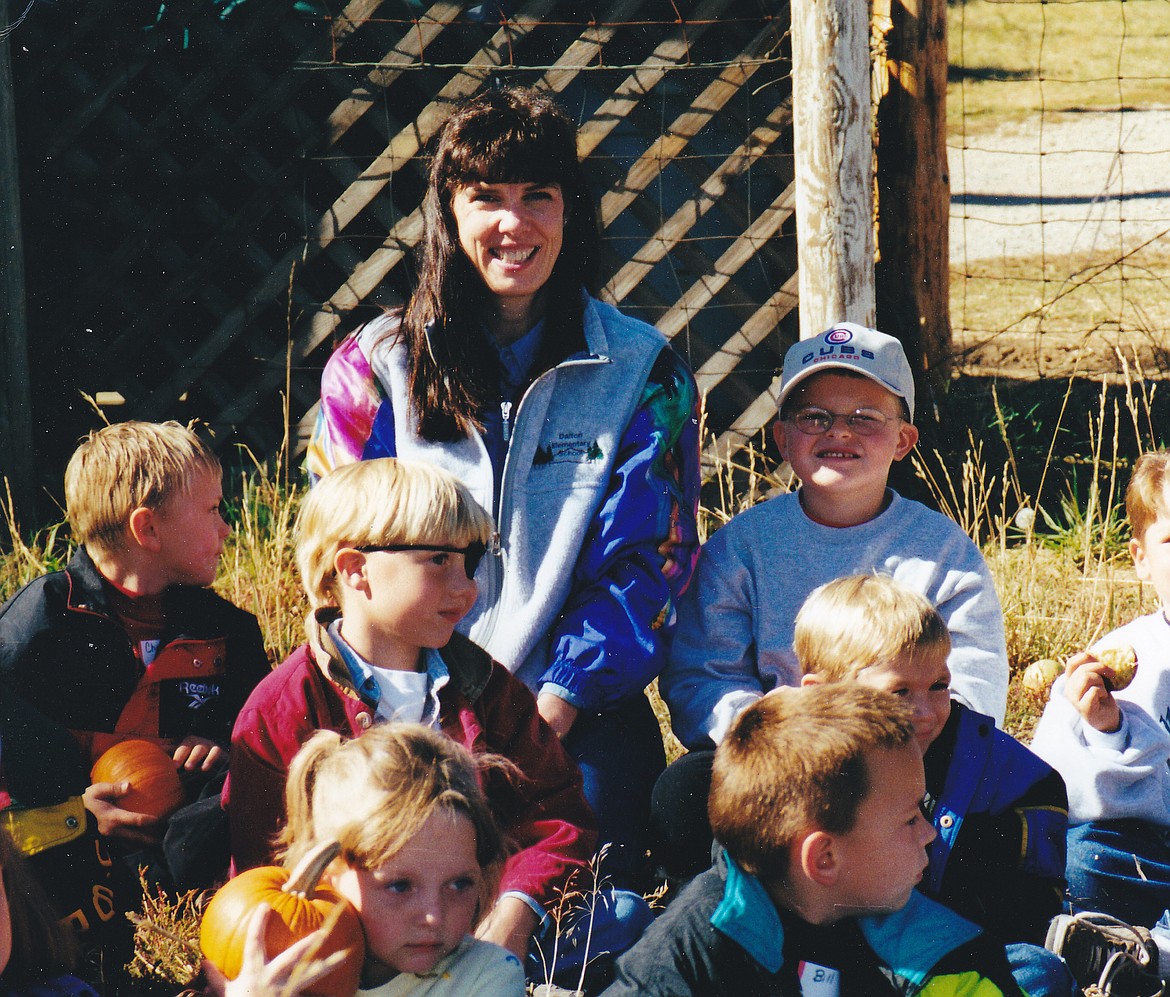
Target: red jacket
{"x":483,"y":707}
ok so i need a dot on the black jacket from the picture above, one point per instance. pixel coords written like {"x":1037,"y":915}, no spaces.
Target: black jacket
{"x":67,"y":659}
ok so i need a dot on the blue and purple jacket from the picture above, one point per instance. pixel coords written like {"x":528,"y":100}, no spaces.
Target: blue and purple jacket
{"x":596,"y":511}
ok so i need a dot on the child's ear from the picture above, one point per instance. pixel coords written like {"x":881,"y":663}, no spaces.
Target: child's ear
{"x":816,"y":858}
{"x":780,"y":438}
{"x":350,"y":566}
{"x":810,"y":679}
{"x":1137,"y":553}
{"x":142,"y":528}
{"x":907,"y":437}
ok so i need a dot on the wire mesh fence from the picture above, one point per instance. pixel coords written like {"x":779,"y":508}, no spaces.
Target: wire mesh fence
{"x":1059,"y":150}
{"x":214,"y":192}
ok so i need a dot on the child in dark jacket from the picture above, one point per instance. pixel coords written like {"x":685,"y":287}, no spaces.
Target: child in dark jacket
{"x":387,"y":550}
{"x":816,"y":797}
{"x":1001,"y":813}
{"x":126,"y":642}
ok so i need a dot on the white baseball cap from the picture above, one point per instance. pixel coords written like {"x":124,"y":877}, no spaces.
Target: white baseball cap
{"x":848,"y":346}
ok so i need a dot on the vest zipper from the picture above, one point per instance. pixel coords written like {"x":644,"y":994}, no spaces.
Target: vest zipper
{"x":506,"y":414}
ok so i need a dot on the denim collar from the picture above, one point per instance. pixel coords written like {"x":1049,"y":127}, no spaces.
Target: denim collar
{"x":516,"y":359}
{"x":361,"y":674}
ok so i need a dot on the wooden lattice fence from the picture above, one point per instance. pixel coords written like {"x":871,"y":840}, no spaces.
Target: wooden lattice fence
{"x":213,"y":194}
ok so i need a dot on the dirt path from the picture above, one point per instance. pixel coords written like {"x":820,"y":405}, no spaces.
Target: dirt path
{"x":1073,"y":183}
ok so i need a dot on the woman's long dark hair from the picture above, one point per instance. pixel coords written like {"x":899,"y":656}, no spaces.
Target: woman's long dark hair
{"x":506,"y":135}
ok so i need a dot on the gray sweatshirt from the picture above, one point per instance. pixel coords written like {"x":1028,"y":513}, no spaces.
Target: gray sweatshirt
{"x":1125,"y":773}
{"x":734,"y":636}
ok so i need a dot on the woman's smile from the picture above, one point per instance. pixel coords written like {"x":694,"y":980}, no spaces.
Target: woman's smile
{"x":512,"y":234}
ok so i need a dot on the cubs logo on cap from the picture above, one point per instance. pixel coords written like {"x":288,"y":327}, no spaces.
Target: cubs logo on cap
{"x":848,"y":346}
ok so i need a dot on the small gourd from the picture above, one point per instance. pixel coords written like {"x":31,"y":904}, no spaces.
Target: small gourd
{"x":301,"y":905}
{"x":155,"y":786}
{"x":1039,"y":675}
{"x":1122,"y":662}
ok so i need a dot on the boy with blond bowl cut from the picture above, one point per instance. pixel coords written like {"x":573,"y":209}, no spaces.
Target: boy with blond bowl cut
{"x":846,"y":409}
{"x":1108,"y":734}
{"x":127,"y":642}
{"x":1000,"y":812}
{"x":816,"y":797}
{"x":387,"y":551}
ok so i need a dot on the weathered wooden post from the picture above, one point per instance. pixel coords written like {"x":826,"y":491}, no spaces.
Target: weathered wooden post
{"x":914,"y":192}
{"x":16,"y":463}
{"x":834,"y":162}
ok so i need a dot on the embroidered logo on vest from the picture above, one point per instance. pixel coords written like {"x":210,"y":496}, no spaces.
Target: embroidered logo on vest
{"x":568,"y":448}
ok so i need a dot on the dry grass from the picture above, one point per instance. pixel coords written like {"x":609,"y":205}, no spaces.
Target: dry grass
{"x":1009,"y":59}
{"x":166,"y":937}
{"x":1035,"y":313}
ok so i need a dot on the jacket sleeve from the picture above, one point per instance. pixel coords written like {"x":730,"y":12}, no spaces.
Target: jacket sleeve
{"x":611,"y":638}
{"x":682,"y":954}
{"x":247,"y":664}
{"x":349,"y":412}
{"x":279,"y":716}
{"x":254,"y":793}
{"x":1009,"y":864}
{"x":542,"y":809}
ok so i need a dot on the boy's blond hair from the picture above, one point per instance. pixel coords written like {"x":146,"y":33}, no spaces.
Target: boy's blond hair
{"x":1144,"y":496}
{"x":126,"y":466}
{"x":853,"y":622}
{"x":795,"y":761}
{"x":382,"y":501}
{"x":373,"y":793}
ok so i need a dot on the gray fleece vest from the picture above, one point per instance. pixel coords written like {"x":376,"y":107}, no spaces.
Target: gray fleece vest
{"x":564,"y":440}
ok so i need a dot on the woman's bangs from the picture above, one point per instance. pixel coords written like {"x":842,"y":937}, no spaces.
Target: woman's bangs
{"x":509,"y":158}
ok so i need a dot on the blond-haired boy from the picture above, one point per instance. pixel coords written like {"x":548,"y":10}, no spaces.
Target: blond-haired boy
{"x":816,"y":797}
{"x":127,"y":642}
{"x":1112,"y":745}
{"x":846,"y":407}
{"x":387,"y":550}
{"x":1001,"y":813}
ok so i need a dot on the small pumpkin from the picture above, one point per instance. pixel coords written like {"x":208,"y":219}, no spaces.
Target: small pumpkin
{"x":155,"y":786}
{"x":302,"y":906}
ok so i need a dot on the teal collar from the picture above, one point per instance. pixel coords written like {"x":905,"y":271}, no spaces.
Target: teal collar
{"x":747,"y":916}
{"x":898,"y":939}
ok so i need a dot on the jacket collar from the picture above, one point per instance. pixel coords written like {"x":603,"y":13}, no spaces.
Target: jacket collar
{"x":748,"y":916}
{"x":900,"y":942}
{"x":468,"y":664}
{"x":184,"y":605}
{"x":87,"y":587}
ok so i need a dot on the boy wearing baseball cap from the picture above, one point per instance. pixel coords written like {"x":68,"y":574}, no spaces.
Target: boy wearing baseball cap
{"x":846,"y":409}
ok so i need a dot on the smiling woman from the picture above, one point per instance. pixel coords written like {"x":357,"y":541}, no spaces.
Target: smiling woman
{"x":574,"y":425}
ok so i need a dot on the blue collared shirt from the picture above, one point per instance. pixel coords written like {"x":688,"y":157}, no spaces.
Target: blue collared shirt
{"x":361,"y":674}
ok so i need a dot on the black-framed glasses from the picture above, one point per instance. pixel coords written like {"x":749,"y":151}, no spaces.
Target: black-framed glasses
{"x":814,"y":421}
{"x":472,"y":554}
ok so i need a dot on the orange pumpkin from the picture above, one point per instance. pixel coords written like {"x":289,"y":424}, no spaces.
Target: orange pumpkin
{"x":302,"y":906}
{"x":155,"y":787}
